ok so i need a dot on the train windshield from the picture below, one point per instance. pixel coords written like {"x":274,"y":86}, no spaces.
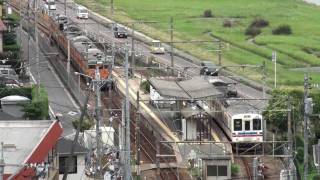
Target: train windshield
{"x":237,"y":125}
{"x":247,"y":125}
{"x":256,"y":124}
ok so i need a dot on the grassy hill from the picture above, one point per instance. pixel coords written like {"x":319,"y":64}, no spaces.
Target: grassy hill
{"x":300,"y":49}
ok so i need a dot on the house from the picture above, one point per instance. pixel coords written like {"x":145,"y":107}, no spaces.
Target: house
{"x":29,"y":147}
{"x":76,"y":171}
{"x":2,"y":29}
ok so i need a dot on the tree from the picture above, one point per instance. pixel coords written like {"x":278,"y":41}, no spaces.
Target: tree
{"x":33,"y":111}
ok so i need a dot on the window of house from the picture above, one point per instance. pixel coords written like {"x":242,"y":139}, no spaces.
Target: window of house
{"x":63,"y":165}
{"x":214,"y":170}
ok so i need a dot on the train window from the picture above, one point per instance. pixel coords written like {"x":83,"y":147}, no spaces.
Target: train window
{"x":247,"y":125}
{"x":256,"y":124}
{"x":237,"y":124}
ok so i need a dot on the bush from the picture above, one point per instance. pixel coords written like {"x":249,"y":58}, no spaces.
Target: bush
{"x":316,"y":177}
{"x":145,"y":86}
{"x":282,"y":30}
{"x":300,"y":154}
{"x":207,"y":13}
{"x":252,"y":31}
{"x":259,"y":23}
{"x":33,"y":111}
{"x":227,"y":23}
{"x":85,"y":125}
{"x":9,"y":38}
{"x":234,"y":169}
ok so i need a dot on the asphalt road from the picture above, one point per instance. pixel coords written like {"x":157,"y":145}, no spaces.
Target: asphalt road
{"x":90,"y":25}
{"x":60,"y":101}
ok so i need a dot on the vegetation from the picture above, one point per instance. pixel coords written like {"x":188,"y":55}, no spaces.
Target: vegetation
{"x":234,"y":169}
{"x":253,"y":31}
{"x":188,"y":26}
{"x":282,"y":30}
{"x":259,"y":23}
{"x":24,"y":91}
{"x":207,"y":13}
{"x":39,"y":107}
{"x":145,"y":86}
{"x":85,"y":125}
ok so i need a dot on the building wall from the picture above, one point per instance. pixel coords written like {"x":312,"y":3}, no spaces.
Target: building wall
{"x":80,"y":175}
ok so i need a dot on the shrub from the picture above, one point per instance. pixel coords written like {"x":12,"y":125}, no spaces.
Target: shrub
{"x":227,"y":23}
{"x":85,"y":125}
{"x":252,"y":31}
{"x":207,"y":13}
{"x":145,"y":86}
{"x":300,"y":154}
{"x":9,"y":38}
{"x":316,"y":177}
{"x":259,"y":23}
{"x":282,"y":30}
{"x":234,"y":169}
{"x":33,"y":111}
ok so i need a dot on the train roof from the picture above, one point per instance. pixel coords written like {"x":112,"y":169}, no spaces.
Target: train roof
{"x":242,"y":107}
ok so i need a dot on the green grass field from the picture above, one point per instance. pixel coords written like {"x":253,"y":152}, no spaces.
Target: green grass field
{"x":301,"y":49}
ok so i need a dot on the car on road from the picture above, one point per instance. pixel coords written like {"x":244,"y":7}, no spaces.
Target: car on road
{"x":209,"y":69}
{"x":157,"y":48}
{"x":120,"y":32}
{"x":60,"y":18}
{"x":82,"y":12}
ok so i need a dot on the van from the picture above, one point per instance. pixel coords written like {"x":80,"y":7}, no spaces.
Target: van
{"x":82,"y":12}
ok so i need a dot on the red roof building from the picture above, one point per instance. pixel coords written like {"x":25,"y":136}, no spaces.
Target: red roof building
{"x":30,"y":142}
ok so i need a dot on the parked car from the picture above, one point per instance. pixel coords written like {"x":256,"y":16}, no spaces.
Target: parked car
{"x":61,"y":19}
{"x":120,"y":32}
{"x":209,"y":69}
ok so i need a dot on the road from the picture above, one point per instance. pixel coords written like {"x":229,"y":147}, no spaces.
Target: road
{"x":60,"y":101}
{"x":105,"y":33}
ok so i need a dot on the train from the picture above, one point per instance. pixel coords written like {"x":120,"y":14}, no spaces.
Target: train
{"x":241,"y":121}
{"x":85,"y":56}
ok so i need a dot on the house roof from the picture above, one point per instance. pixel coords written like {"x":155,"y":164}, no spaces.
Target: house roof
{"x":27,"y":142}
{"x":193,"y":88}
{"x":2,"y":26}
{"x":190,"y":111}
{"x":64,"y":147}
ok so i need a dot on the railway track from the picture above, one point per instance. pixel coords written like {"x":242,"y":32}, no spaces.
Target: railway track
{"x":247,"y":169}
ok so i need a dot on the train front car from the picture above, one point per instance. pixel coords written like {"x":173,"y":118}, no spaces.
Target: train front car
{"x":97,"y":59}
{"x":247,"y":128}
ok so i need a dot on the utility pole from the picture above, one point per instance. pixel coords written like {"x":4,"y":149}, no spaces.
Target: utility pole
{"x":220,"y":52}
{"x":68,"y":62}
{"x":97,"y":88}
{"x":133,"y":63}
{"x":28,"y":14}
{"x":1,"y":163}
{"x":112,"y":8}
{"x":20,"y":49}
{"x":65,"y":7}
{"x":138,"y":135}
{"x":264,"y":79}
{"x":127,"y":118}
{"x":37,"y":45}
{"x":306,"y":114}
{"x":171,"y":46}
{"x":291,"y":167}
{"x":69,"y":160}
{"x":158,"y":160}
{"x":274,"y":59}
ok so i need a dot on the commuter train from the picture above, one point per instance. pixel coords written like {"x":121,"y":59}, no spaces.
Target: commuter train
{"x":85,"y":56}
{"x":240,"y":121}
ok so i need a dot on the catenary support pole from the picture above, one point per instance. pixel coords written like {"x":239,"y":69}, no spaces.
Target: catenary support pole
{"x":171,"y":46}
{"x":305,"y":125}
{"x":138,"y":135}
